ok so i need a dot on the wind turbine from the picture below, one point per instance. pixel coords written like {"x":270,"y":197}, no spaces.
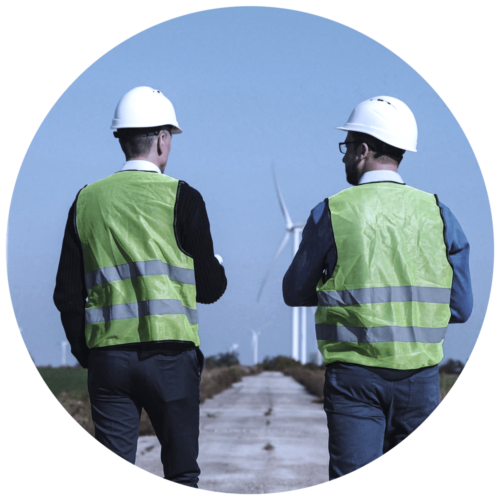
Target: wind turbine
{"x":296,"y":230}
{"x":255,"y":346}
{"x":64,"y":344}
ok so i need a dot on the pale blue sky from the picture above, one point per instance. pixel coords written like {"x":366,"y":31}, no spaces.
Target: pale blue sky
{"x":252,"y":88}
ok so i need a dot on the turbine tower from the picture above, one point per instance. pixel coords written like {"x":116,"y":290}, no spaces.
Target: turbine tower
{"x":296,"y":230}
{"x":64,"y":344}
{"x":255,"y":346}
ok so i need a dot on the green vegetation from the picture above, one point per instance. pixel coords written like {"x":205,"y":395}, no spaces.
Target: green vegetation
{"x":69,"y":386}
{"x":221,"y":360}
{"x":312,"y":379}
{"x":69,"y":380}
{"x":279,"y":363}
{"x":452,"y":367}
{"x":216,"y":380}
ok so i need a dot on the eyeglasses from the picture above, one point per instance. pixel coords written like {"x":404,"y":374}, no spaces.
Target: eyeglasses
{"x":343,"y":146}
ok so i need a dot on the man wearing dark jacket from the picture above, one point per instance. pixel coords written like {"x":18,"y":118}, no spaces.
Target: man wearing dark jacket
{"x":137,"y":256}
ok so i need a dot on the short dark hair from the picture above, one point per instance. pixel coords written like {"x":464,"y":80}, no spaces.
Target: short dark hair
{"x":138,"y":141}
{"x":378,"y":147}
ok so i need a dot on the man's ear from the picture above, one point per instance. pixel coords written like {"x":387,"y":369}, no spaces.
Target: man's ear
{"x":158,"y":145}
{"x":162,"y":136}
{"x":363,"y":150}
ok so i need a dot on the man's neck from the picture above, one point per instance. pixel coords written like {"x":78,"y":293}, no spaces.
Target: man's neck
{"x":374,"y":165}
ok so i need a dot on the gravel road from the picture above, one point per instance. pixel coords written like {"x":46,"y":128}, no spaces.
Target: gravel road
{"x":264,"y":435}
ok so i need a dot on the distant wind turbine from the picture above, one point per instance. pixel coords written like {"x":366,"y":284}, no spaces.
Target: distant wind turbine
{"x":296,"y":230}
{"x":255,"y":341}
{"x":255,"y":346}
{"x":64,"y":344}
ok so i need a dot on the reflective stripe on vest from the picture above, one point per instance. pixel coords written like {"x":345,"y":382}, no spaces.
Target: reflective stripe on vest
{"x":387,"y":302}
{"x":140,"y":309}
{"x":384,"y":294}
{"x":378,"y":334}
{"x":141,"y":285}
{"x":135,"y":269}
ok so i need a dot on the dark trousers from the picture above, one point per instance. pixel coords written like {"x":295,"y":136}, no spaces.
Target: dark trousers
{"x":167,"y":386}
{"x":371,"y":410}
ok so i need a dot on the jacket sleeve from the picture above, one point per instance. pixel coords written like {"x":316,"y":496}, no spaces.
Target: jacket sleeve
{"x":461,"y":302}
{"x":70,"y":293}
{"x":192,"y":229}
{"x":315,"y":259}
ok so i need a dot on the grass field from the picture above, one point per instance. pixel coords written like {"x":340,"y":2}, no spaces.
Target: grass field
{"x":68,"y":380}
{"x":69,"y":386}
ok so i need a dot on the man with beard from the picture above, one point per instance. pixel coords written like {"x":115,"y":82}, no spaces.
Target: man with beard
{"x":388,"y":267}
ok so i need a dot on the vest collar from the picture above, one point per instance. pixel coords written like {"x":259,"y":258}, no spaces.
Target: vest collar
{"x":380,"y":176}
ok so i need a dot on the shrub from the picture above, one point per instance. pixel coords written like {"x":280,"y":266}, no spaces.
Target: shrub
{"x":222,"y":360}
{"x":217,"y":380}
{"x":452,"y":367}
{"x":279,"y":363}
{"x":314,"y":366}
{"x":312,"y":379}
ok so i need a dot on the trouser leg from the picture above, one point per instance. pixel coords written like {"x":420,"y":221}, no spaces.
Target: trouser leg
{"x":356,"y":422}
{"x":172,"y":401}
{"x":414,"y":399}
{"x":116,"y":414}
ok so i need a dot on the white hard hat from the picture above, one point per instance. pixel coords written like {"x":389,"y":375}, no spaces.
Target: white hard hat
{"x":144,"y":107}
{"x":387,"y":119}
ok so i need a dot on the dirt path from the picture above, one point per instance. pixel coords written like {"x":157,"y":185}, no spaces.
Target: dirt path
{"x":264,"y":435}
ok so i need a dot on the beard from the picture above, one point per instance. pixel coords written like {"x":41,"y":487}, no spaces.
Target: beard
{"x":351,"y":173}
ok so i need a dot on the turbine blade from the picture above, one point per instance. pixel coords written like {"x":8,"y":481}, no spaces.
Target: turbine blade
{"x":280,"y":249}
{"x":289,"y":223}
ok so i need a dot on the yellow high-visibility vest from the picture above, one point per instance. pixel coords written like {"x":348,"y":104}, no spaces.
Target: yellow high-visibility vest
{"x":387,"y":303}
{"x":141,"y":285}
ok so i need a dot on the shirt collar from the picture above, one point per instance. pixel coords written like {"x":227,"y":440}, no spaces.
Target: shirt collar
{"x":380,"y":176}
{"x":143,"y":165}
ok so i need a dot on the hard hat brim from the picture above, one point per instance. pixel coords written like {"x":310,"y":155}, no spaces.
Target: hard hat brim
{"x":370,"y":131}
{"x":175,"y":129}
